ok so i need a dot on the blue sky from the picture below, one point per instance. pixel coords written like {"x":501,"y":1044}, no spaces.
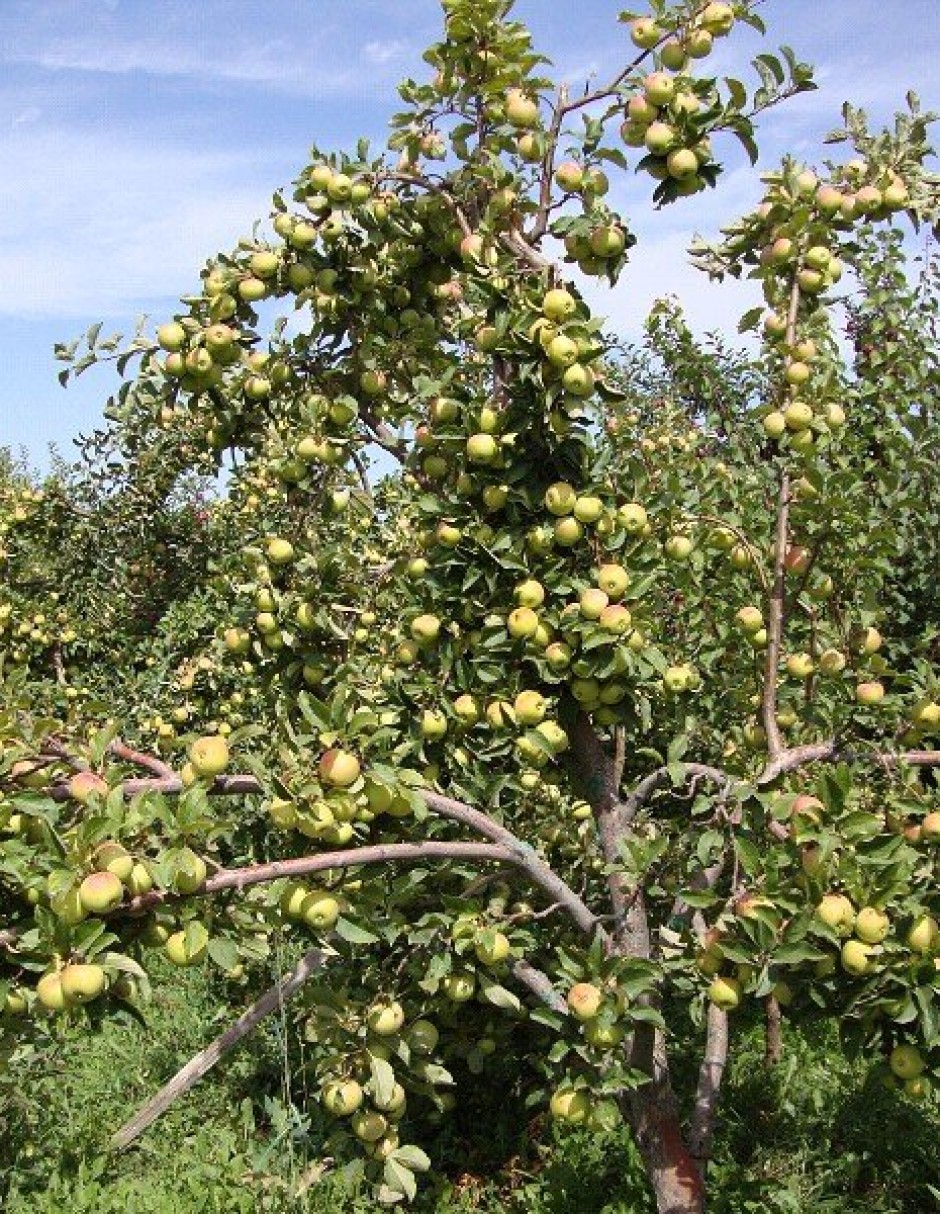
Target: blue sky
{"x":136,"y":139}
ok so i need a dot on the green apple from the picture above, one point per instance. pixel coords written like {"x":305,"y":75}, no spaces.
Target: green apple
{"x":724,"y":993}
{"x":209,"y":756}
{"x":342,"y":1097}
{"x":81,"y":983}
{"x":101,"y":892}
{"x":422,"y":1037}
{"x":906,"y":1061}
{"x":319,"y":910}
{"x":530,"y":707}
{"x":493,"y":951}
{"x":425,"y":629}
{"x":856,"y":958}
{"x":871,"y":925}
{"x":837,"y":912}
{"x":571,"y":1106}
{"x":338,"y":768}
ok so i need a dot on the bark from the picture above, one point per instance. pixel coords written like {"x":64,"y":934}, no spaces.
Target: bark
{"x":652,"y":1110}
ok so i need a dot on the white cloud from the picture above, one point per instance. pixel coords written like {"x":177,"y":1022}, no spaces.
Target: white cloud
{"x":89,"y":224}
{"x":385,"y":52}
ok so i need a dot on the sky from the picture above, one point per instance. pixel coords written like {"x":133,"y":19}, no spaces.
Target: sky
{"x":137,"y":139}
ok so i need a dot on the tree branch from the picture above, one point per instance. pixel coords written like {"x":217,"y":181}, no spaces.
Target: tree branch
{"x":206,"y":1059}
{"x":775,"y":621}
{"x":711,"y":1073}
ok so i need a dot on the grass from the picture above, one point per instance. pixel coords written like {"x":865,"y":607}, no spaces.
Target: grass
{"x":811,"y":1137}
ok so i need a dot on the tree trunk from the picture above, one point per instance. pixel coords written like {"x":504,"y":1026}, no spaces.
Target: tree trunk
{"x":673,"y":1175}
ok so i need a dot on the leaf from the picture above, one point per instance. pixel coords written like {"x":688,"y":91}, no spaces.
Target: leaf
{"x":352,"y":933}
{"x":383,"y":1079}
{"x":412,"y":1157}
{"x":397,"y":1176}
{"x":224,"y":952}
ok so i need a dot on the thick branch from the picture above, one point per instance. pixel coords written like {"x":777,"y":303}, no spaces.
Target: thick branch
{"x":303,"y":866}
{"x":711,"y":1073}
{"x":540,"y":985}
{"x":203,"y":1062}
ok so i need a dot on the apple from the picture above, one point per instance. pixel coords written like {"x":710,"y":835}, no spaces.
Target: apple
{"x":570,"y":177}
{"x":796,"y":560}
{"x":558,"y":304}
{"x":930,"y":827}
{"x":923,"y":934}
{"x":494,"y":951}
{"x":85,"y":784}
{"x":724,"y":993}
{"x":870,"y":693}
{"x":171,"y":336}
{"x":633,"y":517}
{"x":578,"y":380}
{"x":584,"y":1000}
{"x":870,"y":642}
{"x":856,"y":958}
{"x":607,"y":242}
{"x":571,"y":1106}
{"x":682,"y":164}
{"x":114,"y":858}
{"x":425,"y":629}
{"x":588,"y":509}
{"x":678,"y":547}
{"x":871,"y":925}
{"x":660,"y":138}
{"x":180,"y":953}
{"x":798,"y":416}
{"x":603,"y":1036}
{"x":659,"y":88}
{"x":677,"y":678}
{"x":808,"y":807}
{"x":367,"y":1125}
{"x":342,"y":1097}
{"x":645,"y":33}
{"x":422,"y":1037}
{"x":459,"y":988}
{"x":101,"y":892}
{"x":209,"y":756}
{"x":191,"y":874}
{"x":613,"y":580}
{"x":433,"y":725}
{"x":831,"y":662}
{"x":338,"y":768}
{"x":615,"y":619}
{"x":530,"y":707}
{"x":50,"y":994}
{"x":385,"y":1019}
{"x":906,"y":1062}
{"x":673,"y":55}
{"x":466,"y":709}
{"x":482,"y":449}
{"x":837,"y":912}
{"x":592,"y":602}
{"x":319,"y":910}
{"x":279,"y":551}
{"x":717,"y":18}
{"x":800,"y":665}
{"x":82,"y":983}
{"x":751,"y":619}
{"x":393,"y":1106}
{"x":640,"y":113}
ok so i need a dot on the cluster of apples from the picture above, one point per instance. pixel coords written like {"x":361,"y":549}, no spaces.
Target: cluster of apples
{"x":346,"y":798}
{"x":372,"y":1100}
{"x":659,"y":117}
{"x":597,"y":1013}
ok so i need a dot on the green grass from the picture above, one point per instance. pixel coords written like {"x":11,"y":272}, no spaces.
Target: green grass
{"x":809,"y":1138}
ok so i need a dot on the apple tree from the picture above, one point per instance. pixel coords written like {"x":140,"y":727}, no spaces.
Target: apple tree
{"x":588,"y":692}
